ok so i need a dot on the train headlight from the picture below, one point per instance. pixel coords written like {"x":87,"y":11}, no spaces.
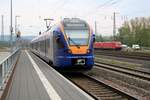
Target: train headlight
{"x":88,"y":50}
{"x":69,"y":51}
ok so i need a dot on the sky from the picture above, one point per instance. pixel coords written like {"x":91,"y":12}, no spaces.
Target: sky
{"x":33,"y":12}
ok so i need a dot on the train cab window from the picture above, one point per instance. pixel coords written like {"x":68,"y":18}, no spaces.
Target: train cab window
{"x":76,"y":38}
{"x":58,"y":41}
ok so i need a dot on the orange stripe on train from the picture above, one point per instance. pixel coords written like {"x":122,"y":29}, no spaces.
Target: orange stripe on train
{"x":81,"y":50}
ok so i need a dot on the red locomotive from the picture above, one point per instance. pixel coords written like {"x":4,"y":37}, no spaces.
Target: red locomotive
{"x":114,"y":45}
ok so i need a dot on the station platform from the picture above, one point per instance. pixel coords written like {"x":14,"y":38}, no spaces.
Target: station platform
{"x":35,"y":80}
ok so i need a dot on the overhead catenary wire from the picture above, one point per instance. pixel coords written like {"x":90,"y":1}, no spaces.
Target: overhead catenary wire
{"x":105,"y":3}
{"x":60,"y":6}
{"x":108,"y":3}
{"x":115,"y":2}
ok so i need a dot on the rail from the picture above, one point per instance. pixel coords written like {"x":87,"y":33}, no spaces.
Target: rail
{"x":6,"y":66}
{"x":98,"y":89}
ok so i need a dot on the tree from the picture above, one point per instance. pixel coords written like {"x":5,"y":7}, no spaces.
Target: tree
{"x":135,"y":31}
{"x":99,"y":38}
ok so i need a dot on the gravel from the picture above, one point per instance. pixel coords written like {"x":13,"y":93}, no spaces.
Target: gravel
{"x":130,"y":84}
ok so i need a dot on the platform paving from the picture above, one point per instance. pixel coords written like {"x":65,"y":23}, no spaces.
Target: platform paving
{"x":27,"y":85}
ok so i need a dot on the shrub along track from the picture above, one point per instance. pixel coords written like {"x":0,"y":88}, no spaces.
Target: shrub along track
{"x":123,"y":54}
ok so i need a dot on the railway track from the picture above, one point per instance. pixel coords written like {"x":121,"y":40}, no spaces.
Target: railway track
{"x":97,"y":89}
{"x":133,"y":55}
{"x":132,"y":72}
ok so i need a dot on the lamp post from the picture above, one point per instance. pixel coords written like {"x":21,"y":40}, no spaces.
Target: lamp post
{"x":48,"y":19}
{"x":16,"y":24}
{"x":16,"y":33}
{"x":11,"y":28}
{"x":2,"y":30}
{"x":114,"y":25}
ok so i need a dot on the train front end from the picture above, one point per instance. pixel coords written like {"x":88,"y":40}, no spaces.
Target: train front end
{"x":77,"y":53}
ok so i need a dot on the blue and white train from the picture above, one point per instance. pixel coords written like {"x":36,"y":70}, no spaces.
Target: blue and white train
{"x":67,"y":45}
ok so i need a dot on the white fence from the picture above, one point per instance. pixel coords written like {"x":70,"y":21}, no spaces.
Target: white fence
{"x":6,"y":67}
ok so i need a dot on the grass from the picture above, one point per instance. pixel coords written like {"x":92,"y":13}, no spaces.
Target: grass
{"x":144,"y":51}
{"x":118,"y":63}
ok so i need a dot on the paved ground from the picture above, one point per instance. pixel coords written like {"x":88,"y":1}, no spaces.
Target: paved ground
{"x":27,"y":85}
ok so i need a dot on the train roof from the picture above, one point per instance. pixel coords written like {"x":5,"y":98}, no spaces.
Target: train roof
{"x":41,"y":37}
{"x":45,"y":34}
{"x":68,"y":23}
{"x":74,"y":23}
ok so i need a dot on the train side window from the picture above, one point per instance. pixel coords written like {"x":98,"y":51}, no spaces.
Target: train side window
{"x":36,"y":45}
{"x":47,"y":45}
{"x":59,"y":43}
{"x":43,"y":45}
{"x":58,"y":40}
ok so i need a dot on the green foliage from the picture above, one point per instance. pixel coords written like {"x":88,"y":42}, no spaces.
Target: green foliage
{"x":136,"y":31}
{"x":99,"y":38}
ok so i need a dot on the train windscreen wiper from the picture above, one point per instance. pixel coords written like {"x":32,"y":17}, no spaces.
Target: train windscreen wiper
{"x":77,"y":45}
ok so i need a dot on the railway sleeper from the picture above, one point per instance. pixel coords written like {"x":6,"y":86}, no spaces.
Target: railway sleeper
{"x":113,"y":98}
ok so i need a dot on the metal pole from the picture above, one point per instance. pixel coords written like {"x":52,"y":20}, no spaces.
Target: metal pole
{"x":48,"y":19}
{"x":96,"y":28}
{"x":114,"y":26}
{"x":16,"y":24}
{"x":16,"y":28}
{"x":11,"y":28}
{"x":15,"y":31}
{"x":2,"y":32}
